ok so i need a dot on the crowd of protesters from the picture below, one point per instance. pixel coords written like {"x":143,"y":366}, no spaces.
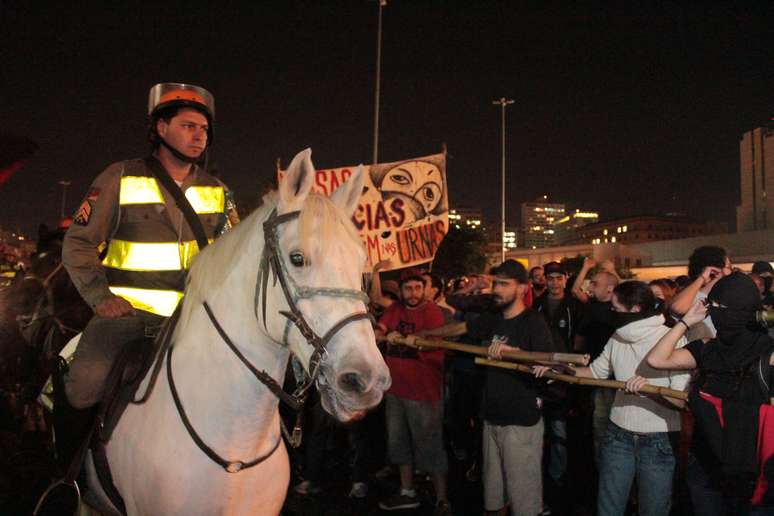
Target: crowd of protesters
{"x":531,"y":440}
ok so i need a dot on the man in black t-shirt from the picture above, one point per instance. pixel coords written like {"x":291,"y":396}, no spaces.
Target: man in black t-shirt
{"x":511,"y":407}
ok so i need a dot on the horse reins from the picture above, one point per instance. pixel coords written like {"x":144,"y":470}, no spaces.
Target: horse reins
{"x":271,"y":262}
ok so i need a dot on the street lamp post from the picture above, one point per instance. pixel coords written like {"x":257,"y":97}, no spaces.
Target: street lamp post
{"x":382,"y":4}
{"x":64,"y":183}
{"x":502,"y":102}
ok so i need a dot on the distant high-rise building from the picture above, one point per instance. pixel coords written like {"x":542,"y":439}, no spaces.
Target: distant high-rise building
{"x":756,"y":170}
{"x":466,"y":217}
{"x":537,"y":221}
{"x":564,"y":228}
{"x":510,"y":238}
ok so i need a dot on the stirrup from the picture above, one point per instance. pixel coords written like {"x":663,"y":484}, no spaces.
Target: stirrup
{"x":49,"y":489}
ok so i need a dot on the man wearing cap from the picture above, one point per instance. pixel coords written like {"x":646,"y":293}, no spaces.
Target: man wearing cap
{"x":413,"y":403}
{"x":130,"y":244}
{"x":511,"y":406}
{"x":563,"y":313}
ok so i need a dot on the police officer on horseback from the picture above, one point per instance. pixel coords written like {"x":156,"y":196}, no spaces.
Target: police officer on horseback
{"x":133,"y":239}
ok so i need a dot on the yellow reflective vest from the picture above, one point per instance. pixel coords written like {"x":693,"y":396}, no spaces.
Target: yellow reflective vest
{"x":146,"y":260}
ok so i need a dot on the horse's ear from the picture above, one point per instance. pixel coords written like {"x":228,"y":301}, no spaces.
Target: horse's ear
{"x":297,"y":183}
{"x":347,"y":196}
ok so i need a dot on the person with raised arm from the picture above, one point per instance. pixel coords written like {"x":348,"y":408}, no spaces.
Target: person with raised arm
{"x":641,"y":431}
{"x":730,"y":398}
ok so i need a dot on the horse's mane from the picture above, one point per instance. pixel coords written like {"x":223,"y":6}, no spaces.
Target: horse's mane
{"x":319,"y":221}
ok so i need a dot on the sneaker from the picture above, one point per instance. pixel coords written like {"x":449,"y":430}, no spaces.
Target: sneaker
{"x":307,"y":487}
{"x":442,"y":508}
{"x":359,"y":490}
{"x":398,"y":502}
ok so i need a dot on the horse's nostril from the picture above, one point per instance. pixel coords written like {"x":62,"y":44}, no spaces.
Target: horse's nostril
{"x":352,"y":382}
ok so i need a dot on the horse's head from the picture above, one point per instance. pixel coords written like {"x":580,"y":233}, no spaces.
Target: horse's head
{"x":322,"y":258}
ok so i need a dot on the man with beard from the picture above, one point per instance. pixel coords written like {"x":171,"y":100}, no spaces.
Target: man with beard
{"x":413,"y":403}
{"x":538,"y":281}
{"x":511,"y":407}
{"x":594,"y":331}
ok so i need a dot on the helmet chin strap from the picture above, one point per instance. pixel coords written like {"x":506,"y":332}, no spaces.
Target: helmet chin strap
{"x":179,"y":155}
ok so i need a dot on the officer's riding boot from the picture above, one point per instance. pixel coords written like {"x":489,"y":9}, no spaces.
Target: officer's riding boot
{"x":72,"y":433}
{"x":72,"y":426}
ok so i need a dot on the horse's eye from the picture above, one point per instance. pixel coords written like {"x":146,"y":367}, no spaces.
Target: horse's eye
{"x":297,"y":258}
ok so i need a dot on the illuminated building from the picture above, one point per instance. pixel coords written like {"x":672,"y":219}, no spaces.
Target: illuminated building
{"x":756,"y":170}
{"x":537,"y":222}
{"x":636,"y":230}
{"x":565,"y":228}
{"x":466,"y":217}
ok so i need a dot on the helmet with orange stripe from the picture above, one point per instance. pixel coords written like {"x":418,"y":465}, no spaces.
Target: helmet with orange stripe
{"x":167,"y":98}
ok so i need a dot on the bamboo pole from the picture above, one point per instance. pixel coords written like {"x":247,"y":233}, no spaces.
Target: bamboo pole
{"x":530,"y":356}
{"x":593,"y":382}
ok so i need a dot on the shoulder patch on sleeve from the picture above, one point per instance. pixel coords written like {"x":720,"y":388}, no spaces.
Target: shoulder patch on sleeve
{"x":83,"y":214}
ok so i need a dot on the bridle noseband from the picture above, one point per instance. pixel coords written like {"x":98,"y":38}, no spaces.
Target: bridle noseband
{"x":273,"y":264}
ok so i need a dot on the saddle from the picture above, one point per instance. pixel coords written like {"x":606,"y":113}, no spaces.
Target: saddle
{"x":121,"y":388}
{"x":122,"y":384}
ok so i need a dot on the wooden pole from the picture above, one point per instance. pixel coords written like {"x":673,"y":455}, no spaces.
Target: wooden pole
{"x":530,"y":356}
{"x":593,"y":382}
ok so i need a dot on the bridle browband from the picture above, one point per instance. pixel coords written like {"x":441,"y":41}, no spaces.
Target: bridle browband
{"x":273,"y":264}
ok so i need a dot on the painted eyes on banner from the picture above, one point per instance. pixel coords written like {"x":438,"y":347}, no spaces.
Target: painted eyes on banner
{"x":297,"y":258}
{"x":417,"y":180}
{"x":430,"y":193}
{"x":401,"y":178}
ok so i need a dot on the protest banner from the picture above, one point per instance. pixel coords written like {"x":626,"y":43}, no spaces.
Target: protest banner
{"x":403,"y":212}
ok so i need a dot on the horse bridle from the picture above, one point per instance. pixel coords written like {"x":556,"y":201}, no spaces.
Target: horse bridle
{"x":271,"y":260}
{"x":273,"y":264}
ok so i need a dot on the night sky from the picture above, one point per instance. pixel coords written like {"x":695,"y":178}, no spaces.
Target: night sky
{"x":624,"y":112}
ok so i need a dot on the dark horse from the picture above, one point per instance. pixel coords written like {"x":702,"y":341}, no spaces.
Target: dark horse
{"x":39,"y":312}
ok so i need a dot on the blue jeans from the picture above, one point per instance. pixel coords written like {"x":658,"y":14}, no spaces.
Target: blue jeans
{"x":557,"y":447}
{"x":603,"y":402}
{"x":625,"y":454}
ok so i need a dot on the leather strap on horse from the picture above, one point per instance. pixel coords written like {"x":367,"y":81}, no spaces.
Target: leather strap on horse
{"x":230,"y":466}
{"x":183,"y":205}
{"x":105,"y":477}
{"x":262,"y":376}
{"x":165,"y":338}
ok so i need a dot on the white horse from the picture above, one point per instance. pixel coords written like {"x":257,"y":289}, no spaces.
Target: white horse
{"x":156,"y":465}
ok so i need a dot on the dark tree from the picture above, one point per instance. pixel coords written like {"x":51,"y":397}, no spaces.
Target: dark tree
{"x":462,"y":252}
